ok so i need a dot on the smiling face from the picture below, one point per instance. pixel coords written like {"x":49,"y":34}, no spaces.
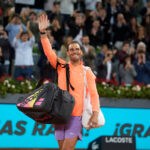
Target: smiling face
{"x":74,"y":52}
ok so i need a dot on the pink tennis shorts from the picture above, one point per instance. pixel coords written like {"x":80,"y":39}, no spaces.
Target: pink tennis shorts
{"x":69,"y":130}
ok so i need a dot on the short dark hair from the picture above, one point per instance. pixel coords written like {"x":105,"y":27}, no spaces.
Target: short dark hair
{"x":125,"y":42}
{"x":74,"y":42}
{"x":56,"y":3}
{"x":24,"y":32}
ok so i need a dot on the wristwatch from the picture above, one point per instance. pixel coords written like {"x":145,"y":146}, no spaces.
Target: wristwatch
{"x":43,"y":32}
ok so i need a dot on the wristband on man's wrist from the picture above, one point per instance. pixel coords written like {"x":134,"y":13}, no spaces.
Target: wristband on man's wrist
{"x":43,"y":32}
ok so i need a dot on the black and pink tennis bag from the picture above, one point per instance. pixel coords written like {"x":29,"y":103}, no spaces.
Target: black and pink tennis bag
{"x":48,"y":104}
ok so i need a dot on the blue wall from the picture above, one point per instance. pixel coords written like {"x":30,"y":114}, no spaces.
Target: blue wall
{"x":19,"y":131}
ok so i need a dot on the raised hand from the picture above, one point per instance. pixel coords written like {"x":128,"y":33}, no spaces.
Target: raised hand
{"x":43,"y":22}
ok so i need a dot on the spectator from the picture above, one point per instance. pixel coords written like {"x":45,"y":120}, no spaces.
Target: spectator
{"x":130,"y":9}
{"x":5,"y":50}
{"x":146,"y":10}
{"x":142,"y":37}
{"x":133,"y":28}
{"x":63,"y":48}
{"x":101,"y":54}
{"x":24,"y":14}
{"x":48,"y":6}
{"x":67,"y":8}
{"x":34,"y":25}
{"x":141,"y":46}
{"x":46,"y":70}
{"x":77,"y":26}
{"x":105,"y":25}
{"x":57,"y":31}
{"x":142,"y":67}
{"x":96,"y":34}
{"x":146,"y":24}
{"x":89,"y":53}
{"x":56,"y":14}
{"x":121,"y":30}
{"x":127,"y":71}
{"x":91,"y":5}
{"x":23,"y":44}
{"x":112,"y":11}
{"x":126,"y":49}
{"x":2,"y":68}
{"x":13,"y":27}
{"x":105,"y":67}
{"x":8,"y":14}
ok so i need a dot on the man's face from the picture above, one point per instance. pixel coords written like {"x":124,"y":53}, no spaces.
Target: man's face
{"x":85,"y":40}
{"x":126,"y":47}
{"x":74,"y":52}
{"x":109,"y":54}
{"x":24,"y":37}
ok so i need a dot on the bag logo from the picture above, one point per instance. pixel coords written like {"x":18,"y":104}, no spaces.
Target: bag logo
{"x":30,"y":100}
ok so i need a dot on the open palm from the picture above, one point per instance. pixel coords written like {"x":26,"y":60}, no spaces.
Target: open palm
{"x":43,"y":22}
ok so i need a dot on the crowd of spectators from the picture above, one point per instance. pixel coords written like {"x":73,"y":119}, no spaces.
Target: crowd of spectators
{"x":114,"y":35}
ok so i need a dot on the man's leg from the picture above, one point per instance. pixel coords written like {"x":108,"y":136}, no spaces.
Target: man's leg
{"x":69,"y":144}
{"x":60,"y":143}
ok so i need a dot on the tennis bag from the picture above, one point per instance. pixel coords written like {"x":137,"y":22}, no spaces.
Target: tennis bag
{"x":48,"y":104}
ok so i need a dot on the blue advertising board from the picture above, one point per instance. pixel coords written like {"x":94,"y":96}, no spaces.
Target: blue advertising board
{"x":22,"y":132}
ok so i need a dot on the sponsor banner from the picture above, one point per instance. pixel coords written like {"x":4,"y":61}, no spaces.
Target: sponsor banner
{"x":26,"y":2}
{"x":113,"y":143}
{"x":22,"y":132}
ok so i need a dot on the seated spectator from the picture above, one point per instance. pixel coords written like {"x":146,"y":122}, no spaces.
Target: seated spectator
{"x":89,"y":53}
{"x":142,"y":67}
{"x":23,"y":44}
{"x":127,"y":71}
{"x":5,"y":49}
{"x":63,"y":48}
{"x":105,"y":67}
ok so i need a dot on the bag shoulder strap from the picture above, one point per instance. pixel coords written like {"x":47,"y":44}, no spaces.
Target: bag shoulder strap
{"x":67,"y":74}
{"x":85,"y":68}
